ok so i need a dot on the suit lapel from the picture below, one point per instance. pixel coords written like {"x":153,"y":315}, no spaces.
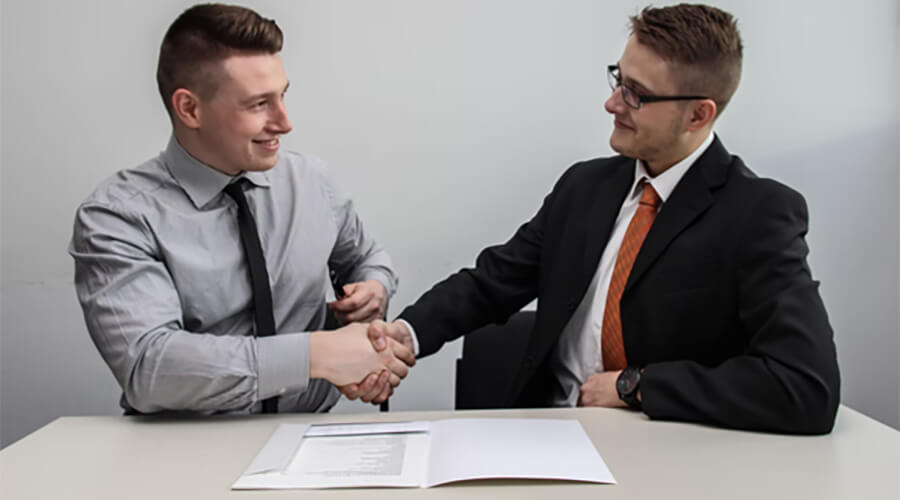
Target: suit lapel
{"x":602,"y":216}
{"x":691,"y":197}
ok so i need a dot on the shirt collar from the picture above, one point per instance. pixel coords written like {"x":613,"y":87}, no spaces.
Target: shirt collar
{"x":665,"y":182}
{"x":200,"y":181}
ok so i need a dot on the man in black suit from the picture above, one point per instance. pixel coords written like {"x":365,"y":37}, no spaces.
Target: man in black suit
{"x":669,"y":278}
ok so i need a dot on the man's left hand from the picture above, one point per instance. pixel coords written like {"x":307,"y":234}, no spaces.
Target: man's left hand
{"x":600,"y":390}
{"x":365,"y":301}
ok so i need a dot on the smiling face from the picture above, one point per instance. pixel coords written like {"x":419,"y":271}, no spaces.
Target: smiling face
{"x":657,"y":133}
{"x":238,"y":127}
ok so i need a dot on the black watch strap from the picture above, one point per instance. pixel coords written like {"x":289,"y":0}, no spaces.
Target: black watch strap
{"x":628,"y":385}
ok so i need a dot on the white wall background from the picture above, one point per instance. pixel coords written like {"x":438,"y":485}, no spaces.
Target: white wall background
{"x":448,"y":121}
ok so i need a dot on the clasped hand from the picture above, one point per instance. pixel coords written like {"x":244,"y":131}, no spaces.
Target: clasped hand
{"x":377,"y":388}
{"x":348,"y":356}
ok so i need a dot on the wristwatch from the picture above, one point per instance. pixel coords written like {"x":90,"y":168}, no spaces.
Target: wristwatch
{"x":628,"y":384}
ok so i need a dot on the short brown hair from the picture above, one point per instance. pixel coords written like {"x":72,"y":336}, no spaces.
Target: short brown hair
{"x":702,"y":41}
{"x":204,"y":35}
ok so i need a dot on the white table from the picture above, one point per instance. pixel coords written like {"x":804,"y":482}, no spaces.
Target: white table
{"x":131,"y":458}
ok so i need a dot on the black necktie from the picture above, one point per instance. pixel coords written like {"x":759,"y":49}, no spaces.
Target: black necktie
{"x":259,"y":277}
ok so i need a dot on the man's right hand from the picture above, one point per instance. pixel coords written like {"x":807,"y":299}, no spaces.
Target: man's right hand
{"x":381,"y":334}
{"x":346,"y":356}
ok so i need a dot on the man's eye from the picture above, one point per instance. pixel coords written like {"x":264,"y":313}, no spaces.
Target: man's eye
{"x":260,"y":104}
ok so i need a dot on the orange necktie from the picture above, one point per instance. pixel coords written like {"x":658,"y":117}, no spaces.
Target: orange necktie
{"x":612,"y":347}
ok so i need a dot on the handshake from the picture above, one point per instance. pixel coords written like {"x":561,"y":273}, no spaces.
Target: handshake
{"x":365,"y":360}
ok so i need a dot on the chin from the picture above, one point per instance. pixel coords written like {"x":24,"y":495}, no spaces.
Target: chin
{"x":618,"y":147}
{"x":263,"y":164}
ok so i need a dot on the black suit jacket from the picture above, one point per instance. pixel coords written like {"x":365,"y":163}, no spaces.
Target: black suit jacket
{"x":720,"y":306}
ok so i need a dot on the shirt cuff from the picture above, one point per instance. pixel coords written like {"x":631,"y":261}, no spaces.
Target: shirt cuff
{"x":412,"y":332}
{"x":386,"y":280}
{"x":282,"y":364}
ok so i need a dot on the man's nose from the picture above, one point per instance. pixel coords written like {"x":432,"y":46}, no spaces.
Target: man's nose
{"x":280,"y":120}
{"x":615,"y":104}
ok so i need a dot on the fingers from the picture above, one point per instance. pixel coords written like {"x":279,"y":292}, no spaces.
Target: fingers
{"x":377,"y":388}
{"x":367,"y":386}
{"x":369,"y":312}
{"x":377,"y":333}
{"x":364,"y":301}
{"x":403,"y":353}
{"x":386,"y":393}
{"x":398,"y":367}
{"x":398,"y":331}
{"x":359,"y":352}
{"x":350,"y":391}
{"x":357,"y":296}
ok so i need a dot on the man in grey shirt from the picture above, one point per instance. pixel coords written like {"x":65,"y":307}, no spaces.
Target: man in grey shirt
{"x":160,"y":269}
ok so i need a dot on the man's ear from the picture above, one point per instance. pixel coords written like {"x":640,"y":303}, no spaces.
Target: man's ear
{"x":702,"y":114}
{"x":186,"y":108}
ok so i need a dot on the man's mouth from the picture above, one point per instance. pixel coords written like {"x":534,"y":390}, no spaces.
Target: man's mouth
{"x":619,"y":124}
{"x":268,"y":143}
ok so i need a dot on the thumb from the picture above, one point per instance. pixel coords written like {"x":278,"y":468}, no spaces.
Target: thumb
{"x":349,"y":288}
{"x":378,"y":335}
{"x":398,"y":331}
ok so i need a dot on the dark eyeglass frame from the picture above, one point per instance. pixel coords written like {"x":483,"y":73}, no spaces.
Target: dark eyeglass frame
{"x":614,"y":77}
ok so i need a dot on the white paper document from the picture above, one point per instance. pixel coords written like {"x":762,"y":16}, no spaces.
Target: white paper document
{"x":424,"y":454}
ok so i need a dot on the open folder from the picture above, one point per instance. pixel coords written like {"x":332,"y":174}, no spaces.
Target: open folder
{"x":424,"y":454}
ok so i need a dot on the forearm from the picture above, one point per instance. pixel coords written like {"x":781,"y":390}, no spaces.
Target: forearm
{"x":134,"y":312}
{"x":170,"y":369}
{"x":745,"y":392}
{"x":448,"y":310}
{"x":500,"y":285}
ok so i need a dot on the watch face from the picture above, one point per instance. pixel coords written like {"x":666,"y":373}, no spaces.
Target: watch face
{"x":627,"y":382}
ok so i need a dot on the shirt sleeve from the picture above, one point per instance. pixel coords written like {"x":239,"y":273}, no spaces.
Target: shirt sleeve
{"x":133,"y":313}
{"x":356,"y":253}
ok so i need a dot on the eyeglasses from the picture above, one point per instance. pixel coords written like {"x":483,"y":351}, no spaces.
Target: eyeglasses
{"x":632,"y":98}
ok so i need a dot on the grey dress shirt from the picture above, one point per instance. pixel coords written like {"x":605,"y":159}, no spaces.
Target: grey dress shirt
{"x":163,"y":281}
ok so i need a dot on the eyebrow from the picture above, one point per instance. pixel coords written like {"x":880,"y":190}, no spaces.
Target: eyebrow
{"x":634,"y":84}
{"x":257,"y":97}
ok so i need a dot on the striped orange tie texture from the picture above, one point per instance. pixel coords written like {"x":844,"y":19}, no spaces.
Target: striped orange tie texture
{"x":612,"y":347}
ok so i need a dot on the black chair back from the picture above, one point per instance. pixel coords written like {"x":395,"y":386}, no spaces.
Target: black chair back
{"x":490,"y":360}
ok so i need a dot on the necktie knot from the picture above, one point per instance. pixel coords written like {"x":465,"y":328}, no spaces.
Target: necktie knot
{"x":235,"y":189}
{"x":649,"y":195}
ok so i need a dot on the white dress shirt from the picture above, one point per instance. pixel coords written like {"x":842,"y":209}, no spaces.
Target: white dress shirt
{"x":578,"y":353}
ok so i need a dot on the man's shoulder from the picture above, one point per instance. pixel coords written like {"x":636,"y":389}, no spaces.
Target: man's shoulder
{"x":753,"y":189}
{"x":587,"y":173}
{"x":130,"y":188}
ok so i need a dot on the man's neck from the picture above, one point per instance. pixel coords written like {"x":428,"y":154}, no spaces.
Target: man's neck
{"x":684,"y":148}
{"x":191,"y":146}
